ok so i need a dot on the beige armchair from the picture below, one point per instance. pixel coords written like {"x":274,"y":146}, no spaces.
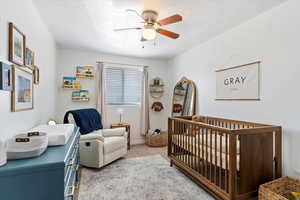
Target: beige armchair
{"x":101,"y":147}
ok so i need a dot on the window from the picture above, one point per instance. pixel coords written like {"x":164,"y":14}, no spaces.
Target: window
{"x":123,"y":86}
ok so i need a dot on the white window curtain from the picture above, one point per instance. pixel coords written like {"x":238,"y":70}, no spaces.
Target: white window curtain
{"x":145,"y":121}
{"x":100,"y":91}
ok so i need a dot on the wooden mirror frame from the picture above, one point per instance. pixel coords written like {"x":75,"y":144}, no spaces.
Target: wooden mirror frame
{"x":193,"y":98}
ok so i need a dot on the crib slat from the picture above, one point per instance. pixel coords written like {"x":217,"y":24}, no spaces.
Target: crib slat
{"x":226,"y":162}
{"x":221,"y":161}
{"x":183,"y":135}
{"x":211,"y":150}
{"x":202,"y":150}
{"x":199,"y":148}
{"x":194,"y":153}
{"x":206,"y":151}
{"x":216,"y":159}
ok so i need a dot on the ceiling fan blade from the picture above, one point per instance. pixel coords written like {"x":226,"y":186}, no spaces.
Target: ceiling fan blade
{"x":170,"y":20}
{"x":127,"y":29}
{"x":168,"y":33}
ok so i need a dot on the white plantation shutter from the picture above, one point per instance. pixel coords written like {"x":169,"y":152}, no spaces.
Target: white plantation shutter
{"x":123,"y":86}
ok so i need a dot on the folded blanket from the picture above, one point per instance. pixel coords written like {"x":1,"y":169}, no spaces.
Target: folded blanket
{"x":88,"y":120}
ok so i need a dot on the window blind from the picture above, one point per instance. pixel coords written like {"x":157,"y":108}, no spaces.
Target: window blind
{"x":123,"y":86}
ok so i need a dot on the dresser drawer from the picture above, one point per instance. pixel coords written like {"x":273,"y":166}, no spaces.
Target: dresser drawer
{"x":72,"y":162}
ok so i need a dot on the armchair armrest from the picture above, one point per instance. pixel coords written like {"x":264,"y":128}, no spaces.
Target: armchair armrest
{"x":114,"y":132}
{"x":92,"y":136}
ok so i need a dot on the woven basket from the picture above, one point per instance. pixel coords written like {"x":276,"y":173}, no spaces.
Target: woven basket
{"x":157,"y":140}
{"x":279,"y":189}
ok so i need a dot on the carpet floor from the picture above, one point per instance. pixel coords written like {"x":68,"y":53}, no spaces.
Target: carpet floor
{"x":139,"y":178}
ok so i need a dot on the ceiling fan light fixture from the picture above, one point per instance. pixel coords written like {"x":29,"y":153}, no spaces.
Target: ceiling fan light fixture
{"x":149,"y":33}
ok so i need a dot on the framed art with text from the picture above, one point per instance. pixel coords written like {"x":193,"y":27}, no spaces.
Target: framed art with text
{"x":239,"y":82}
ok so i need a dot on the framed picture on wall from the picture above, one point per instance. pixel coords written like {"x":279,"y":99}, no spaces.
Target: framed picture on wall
{"x":239,"y":82}
{"x":16,"y":53}
{"x":5,"y":77}
{"x":36,"y":75}
{"x":29,"y":58}
{"x":22,"y":93}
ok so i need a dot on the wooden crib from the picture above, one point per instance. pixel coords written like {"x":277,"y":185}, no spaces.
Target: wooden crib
{"x":228,"y":158}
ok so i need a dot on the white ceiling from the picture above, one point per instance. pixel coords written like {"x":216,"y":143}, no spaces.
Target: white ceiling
{"x":90,"y":23}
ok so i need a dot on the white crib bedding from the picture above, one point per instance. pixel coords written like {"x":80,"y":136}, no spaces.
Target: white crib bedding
{"x":207,"y":151}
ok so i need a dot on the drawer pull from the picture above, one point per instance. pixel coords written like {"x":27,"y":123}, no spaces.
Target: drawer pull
{"x":71,"y":162}
{"x":71,"y":192}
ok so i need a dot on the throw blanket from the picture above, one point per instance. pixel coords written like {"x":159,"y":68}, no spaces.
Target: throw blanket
{"x":88,"y":120}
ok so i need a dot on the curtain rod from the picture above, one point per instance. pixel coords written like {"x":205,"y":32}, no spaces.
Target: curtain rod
{"x":121,"y":64}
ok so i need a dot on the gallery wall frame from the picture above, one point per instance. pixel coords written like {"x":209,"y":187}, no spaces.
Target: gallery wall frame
{"x":239,"y":83}
{"x":29,"y":58}
{"x":5,"y":77}
{"x":36,"y":75}
{"x":22,"y":95}
{"x":17,"y":45}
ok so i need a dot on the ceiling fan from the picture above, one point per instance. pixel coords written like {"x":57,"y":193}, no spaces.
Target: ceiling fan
{"x":152,"y":26}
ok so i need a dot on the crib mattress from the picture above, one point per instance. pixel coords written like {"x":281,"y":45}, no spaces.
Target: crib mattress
{"x":205,"y":152}
{"x":58,"y":134}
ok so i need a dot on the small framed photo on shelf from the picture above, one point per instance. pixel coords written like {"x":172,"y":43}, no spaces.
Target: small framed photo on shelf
{"x":29,"y":58}
{"x":84,"y":72}
{"x":36,"y":75}
{"x":22,"y":92}
{"x":71,"y":83}
{"x":80,"y":95}
{"x":5,"y":77}
{"x":16,"y":53}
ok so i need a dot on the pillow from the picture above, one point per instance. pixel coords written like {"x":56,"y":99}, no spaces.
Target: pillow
{"x":113,"y":132}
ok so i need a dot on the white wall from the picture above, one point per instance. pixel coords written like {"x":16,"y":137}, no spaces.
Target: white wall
{"x":25,"y":16}
{"x":69,"y":58}
{"x":272,"y":38}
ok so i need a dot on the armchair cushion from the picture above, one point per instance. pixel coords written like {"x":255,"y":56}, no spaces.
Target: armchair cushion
{"x":113,"y":132}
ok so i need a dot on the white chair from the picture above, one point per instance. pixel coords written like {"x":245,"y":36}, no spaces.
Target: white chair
{"x":102,"y":147}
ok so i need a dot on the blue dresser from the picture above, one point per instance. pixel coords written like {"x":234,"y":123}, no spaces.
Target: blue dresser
{"x":52,"y":176}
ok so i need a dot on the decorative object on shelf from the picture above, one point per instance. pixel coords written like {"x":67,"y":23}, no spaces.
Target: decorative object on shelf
{"x":184,"y":98}
{"x":22,"y":92}
{"x":177,"y":108}
{"x":157,"y":138}
{"x":80,"y":95}
{"x":120,"y":111}
{"x":156,"y":88}
{"x":17,"y":44}
{"x":51,"y":122}
{"x":5,"y":77}
{"x":127,"y":126}
{"x":71,"y":83}
{"x":29,"y":58}
{"x":36,"y":75}
{"x":278,"y":190}
{"x":85,"y":72}
{"x":3,"y":148}
{"x":157,"y":106}
{"x":238,"y":82}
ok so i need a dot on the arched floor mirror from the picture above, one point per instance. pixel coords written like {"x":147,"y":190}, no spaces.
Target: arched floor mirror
{"x":184,"y":98}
